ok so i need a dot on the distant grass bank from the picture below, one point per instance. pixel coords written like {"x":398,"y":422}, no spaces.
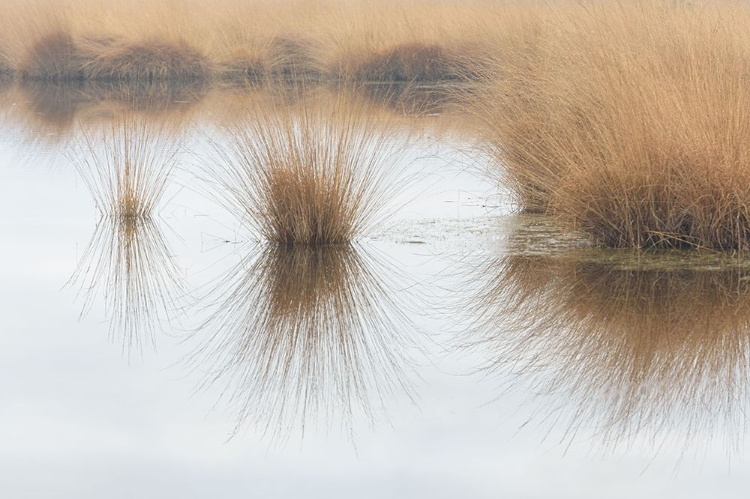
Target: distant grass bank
{"x":239,"y":42}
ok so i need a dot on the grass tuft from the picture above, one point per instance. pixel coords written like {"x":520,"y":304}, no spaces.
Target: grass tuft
{"x":312,"y":171}
{"x":53,"y":58}
{"x":149,"y":61}
{"x":405,"y":63}
{"x":127,"y":165}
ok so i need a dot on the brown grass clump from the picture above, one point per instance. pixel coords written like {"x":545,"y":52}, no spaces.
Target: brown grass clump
{"x":404,"y":63}
{"x":301,"y":334}
{"x":149,"y":61}
{"x":628,"y":122}
{"x":53,"y":58}
{"x":400,"y":40}
{"x":315,"y":172}
{"x":636,"y":348}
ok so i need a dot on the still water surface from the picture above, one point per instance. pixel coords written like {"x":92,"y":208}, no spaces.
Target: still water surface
{"x":459,"y":350}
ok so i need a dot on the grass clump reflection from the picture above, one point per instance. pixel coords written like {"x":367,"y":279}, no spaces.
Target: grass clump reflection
{"x":314,"y":171}
{"x":302,"y":334}
{"x":637,"y":349}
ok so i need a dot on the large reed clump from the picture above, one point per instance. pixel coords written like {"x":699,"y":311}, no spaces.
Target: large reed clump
{"x":315,"y":172}
{"x":629,"y":122}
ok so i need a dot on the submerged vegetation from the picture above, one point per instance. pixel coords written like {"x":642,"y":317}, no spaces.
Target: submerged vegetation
{"x":316,"y":169}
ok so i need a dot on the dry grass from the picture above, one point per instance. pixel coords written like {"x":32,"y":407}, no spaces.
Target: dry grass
{"x":317,"y":170}
{"x":126,"y":167}
{"x":404,"y":63}
{"x":636,"y":349}
{"x":629,"y":122}
{"x":147,"y":62}
{"x":301,"y":335}
{"x":232,"y":40}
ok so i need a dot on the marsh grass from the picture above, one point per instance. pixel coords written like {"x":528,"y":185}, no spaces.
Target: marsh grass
{"x":628,"y":121}
{"x":234,"y":42}
{"x":408,"y":62}
{"x":300,"y":336}
{"x":634,"y":348}
{"x":318,"y":171}
{"x":126,"y":167}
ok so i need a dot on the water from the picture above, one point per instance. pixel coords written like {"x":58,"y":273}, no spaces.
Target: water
{"x":456,"y":350}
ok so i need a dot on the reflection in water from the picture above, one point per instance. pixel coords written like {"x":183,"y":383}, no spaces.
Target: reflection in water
{"x":302,"y":335}
{"x":128,"y":261}
{"x":126,"y":167}
{"x":49,"y":111}
{"x":644,"y":349}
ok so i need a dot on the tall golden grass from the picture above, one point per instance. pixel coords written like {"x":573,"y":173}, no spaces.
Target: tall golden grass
{"x":299,"y":336}
{"x":628,"y":121}
{"x":311,"y":169}
{"x":631,"y":348}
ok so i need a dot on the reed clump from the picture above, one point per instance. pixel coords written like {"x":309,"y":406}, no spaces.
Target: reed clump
{"x":127,"y":166}
{"x":149,"y":61}
{"x":404,"y":63}
{"x":629,"y":122}
{"x":54,"y":58}
{"x":315,"y":169}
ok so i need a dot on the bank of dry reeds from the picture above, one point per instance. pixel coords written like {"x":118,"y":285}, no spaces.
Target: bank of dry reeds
{"x":241,"y":42}
{"x":313,"y":170}
{"x":629,"y":122}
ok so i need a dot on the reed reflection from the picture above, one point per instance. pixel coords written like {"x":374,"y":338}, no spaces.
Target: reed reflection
{"x":126,"y":167}
{"x":302,"y":336}
{"x":644,"y":349}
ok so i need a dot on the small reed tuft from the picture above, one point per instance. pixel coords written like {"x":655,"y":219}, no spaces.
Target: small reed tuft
{"x":313,"y":170}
